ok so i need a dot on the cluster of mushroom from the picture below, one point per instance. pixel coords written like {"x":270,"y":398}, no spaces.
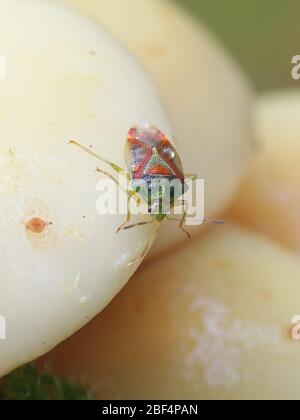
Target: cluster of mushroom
{"x":205,"y":319}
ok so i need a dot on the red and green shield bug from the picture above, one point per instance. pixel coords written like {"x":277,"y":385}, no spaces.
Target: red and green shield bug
{"x":153,"y":165}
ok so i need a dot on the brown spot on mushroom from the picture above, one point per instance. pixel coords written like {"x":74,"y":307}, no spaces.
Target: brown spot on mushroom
{"x":37,"y":225}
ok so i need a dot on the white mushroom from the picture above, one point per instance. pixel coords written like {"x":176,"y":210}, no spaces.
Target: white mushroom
{"x":269,"y":199}
{"x":218,"y":319}
{"x":60,"y":261}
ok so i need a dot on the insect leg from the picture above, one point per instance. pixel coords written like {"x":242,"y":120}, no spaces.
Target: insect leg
{"x":123,"y":225}
{"x":182,"y":220}
{"x":130,"y":195}
{"x":138,"y":224}
{"x":111,"y":177}
{"x":113,"y":165}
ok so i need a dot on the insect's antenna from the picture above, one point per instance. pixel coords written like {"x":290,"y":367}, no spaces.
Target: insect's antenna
{"x":214,"y":222}
{"x":96,"y":155}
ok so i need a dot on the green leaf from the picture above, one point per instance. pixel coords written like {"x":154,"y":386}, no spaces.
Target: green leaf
{"x":27,"y":383}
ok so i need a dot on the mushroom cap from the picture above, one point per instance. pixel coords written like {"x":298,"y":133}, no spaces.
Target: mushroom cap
{"x":213,"y":320}
{"x":66,"y":79}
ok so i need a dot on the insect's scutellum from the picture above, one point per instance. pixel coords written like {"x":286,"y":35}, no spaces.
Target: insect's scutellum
{"x":150,"y":157}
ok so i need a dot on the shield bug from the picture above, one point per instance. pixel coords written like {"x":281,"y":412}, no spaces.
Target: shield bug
{"x":154,"y":172}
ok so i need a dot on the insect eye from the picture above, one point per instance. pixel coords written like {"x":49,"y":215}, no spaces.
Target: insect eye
{"x":169,"y":152}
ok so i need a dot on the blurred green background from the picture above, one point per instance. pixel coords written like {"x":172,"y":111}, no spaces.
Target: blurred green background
{"x":263,"y":35}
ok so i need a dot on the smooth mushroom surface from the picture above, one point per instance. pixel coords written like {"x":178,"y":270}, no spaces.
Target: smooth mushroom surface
{"x":60,"y":261}
{"x":269,"y":198}
{"x":214,"y":320}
